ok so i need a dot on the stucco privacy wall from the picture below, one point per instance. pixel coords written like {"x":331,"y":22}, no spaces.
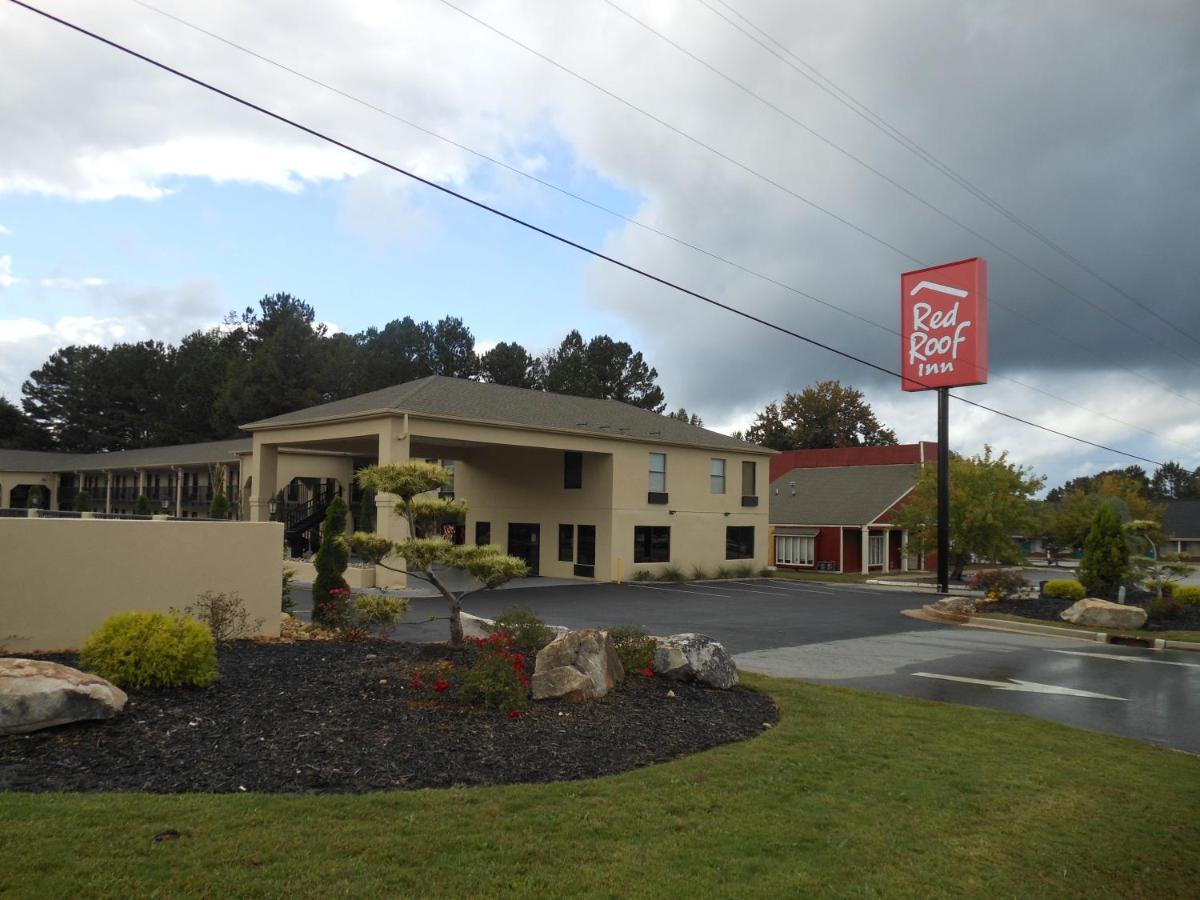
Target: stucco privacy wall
{"x":60,"y":578}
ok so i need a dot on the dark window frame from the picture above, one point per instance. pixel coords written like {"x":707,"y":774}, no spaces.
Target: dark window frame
{"x":736,"y":546}
{"x":566,"y":543}
{"x":572,"y":470}
{"x":651,"y":544}
{"x":485,"y":529}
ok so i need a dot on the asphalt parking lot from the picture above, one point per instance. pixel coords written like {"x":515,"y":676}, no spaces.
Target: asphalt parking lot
{"x":856,"y":636}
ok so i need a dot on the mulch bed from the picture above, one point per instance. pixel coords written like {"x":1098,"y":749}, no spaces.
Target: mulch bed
{"x":319,"y":717}
{"x":1050,"y":609}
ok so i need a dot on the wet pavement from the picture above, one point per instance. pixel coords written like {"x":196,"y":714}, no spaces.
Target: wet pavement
{"x":857,"y":636}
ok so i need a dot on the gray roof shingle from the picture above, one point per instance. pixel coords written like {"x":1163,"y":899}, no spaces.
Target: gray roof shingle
{"x":851,"y":495}
{"x":497,"y":404}
{"x":1181,"y":519}
{"x":177,"y":455}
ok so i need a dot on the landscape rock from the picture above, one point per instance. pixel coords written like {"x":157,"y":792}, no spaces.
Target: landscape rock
{"x":475,"y":626}
{"x":1103,"y":614}
{"x":953,"y":606}
{"x":695,"y":657}
{"x":590,"y":652}
{"x":36,"y":694}
{"x":562,"y":682}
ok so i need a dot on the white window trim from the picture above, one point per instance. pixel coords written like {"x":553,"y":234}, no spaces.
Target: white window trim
{"x":712,"y":475}
{"x":662,"y":489}
{"x":876,"y":542}
{"x":794,"y":550}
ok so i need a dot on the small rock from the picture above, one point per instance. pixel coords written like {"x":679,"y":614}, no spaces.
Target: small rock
{"x":671,"y":694}
{"x":1103,"y":614}
{"x":953,"y":606}
{"x":371,"y":656}
{"x":37,"y":694}
{"x":695,"y":657}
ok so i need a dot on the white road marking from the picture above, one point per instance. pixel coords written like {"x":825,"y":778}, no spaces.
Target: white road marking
{"x":800,"y":586}
{"x":1014,"y":684}
{"x":744,"y":588}
{"x":1131,"y":659}
{"x":654,"y":587}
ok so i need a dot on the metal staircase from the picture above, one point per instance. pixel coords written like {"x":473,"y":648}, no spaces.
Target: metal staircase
{"x":302,"y":521}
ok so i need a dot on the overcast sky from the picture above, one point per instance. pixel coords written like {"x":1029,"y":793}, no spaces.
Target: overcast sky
{"x":134,"y":205}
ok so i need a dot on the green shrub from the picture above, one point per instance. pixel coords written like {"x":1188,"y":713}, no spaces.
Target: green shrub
{"x":219,"y":508}
{"x":286,"y":603}
{"x":142,"y":506}
{"x":224,"y":615}
{"x":377,"y":611}
{"x":1064,"y":589}
{"x":643,"y":575}
{"x":1163,"y":608}
{"x":331,"y":561}
{"x":527,"y":630}
{"x":1186,"y":594}
{"x":1105,"y":563}
{"x":1001,"y":583}
{"x":699,"y":573}
{"x":499,"y":678}
{"x":83,"y":502}
{"x":151,"y":649}
{"x":634,"y":647}
{"x":724,"y":572}
{"x":743,"y":570}
{"x":672,"y":573}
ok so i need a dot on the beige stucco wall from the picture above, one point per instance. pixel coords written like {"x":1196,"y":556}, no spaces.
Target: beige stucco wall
{"x":60,"y":578}
{"x":9,"y":480}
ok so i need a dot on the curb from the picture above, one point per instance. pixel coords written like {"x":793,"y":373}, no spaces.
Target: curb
{"x":1100,"y":637}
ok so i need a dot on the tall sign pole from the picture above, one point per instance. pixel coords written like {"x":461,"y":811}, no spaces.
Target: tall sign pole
{"x":943,"y":335}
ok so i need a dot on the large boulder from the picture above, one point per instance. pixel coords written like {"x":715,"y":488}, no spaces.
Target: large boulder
{"x":37,"y":694}
{"x":1103,"y":614}
{"x":957,"y":608}
{"x":590,"y":652}
{"x":562,"y":682}
{"x":695,"y":657}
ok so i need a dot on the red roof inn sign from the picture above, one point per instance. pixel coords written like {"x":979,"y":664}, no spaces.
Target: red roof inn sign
{"x":943,"y":325}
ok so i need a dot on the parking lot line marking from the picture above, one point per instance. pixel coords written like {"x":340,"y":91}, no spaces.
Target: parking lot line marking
{"x":746,"y":589}
{"x":797,"y":586}
{"x":1015,"y":684}
{"x":1131,"y":659}
{"x":654,"y":587}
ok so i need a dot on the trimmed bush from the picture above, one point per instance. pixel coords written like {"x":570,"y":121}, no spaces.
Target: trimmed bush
{"x":999,"y":583}
{"x":286,"y":603}
{"x":527,"y":630}
{"x":634,"y":647}
{"x":369,"y":611}
{"x":330,"y":562}
{"x":1064,"y":589}
{"x":83,"y":502}
{"x":1186,"y":594}
{"x":219,"y":508}
{"x":142,"y":506}
{"x":151,"y":649}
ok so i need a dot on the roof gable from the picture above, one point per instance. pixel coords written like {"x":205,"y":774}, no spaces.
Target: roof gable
{"x":852,"y":495}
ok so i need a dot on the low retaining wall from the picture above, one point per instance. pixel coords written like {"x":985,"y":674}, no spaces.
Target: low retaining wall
{"x":60,"y":578}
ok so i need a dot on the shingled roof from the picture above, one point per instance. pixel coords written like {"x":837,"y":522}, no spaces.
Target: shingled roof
{"x":439,"y":396}
{"x":851,"y":495}
{"x":176,"y":455}
{"x":1181,"y":519}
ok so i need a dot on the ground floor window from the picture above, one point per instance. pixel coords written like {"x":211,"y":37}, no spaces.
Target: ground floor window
{"x":587,"y":545}
{"x":793,"y":550}
{"x":483,"y":533}
{"x":875,"y":554}
{"x":651,"y":543}
{"x":739,"y":542}
{"x":566,"y":543}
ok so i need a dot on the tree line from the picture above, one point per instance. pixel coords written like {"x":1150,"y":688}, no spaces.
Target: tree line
{"x":279,"y":358}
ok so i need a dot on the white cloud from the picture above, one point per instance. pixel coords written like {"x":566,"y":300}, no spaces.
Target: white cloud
{"x":7,"y":279}
{"x":5,"y":231}
{"x":71,"y":284}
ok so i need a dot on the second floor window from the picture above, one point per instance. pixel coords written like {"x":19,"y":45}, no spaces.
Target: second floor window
{"x":716,"y":476}
{"x":658,"y":473}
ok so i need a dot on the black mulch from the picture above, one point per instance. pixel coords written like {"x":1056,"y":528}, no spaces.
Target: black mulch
{"x":316,"y":717}
{"x":1050,"y":609}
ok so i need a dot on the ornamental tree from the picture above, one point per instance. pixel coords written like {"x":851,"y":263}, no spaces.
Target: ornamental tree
{"x":424,"y":555}
{"x":1105,"y":564}
{"x":1156,"y":569}
{"x":990,"y":502}
{"x":331,"y":560}
{"x":142,"y":506}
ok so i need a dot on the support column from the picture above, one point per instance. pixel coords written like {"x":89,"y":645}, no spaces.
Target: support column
{"x":263,"y":465}
{"x":141,"y":483}
{"x":866,"y":549}
{"x":54,"y":484}
{"x":178,"y":493}
{"x":887,"y":549}
{"x":393,"y":448}
{"x":108,"y":492}
{"x":904,"y":550}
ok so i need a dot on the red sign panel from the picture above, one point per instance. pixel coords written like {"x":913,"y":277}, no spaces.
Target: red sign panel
{"x":943,"y":326}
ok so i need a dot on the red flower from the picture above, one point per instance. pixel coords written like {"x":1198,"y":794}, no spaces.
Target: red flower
{"x":415,"y":684}
{"x":440,"y":685}
{"x":514,"y":714}
{"x":647,"y":671}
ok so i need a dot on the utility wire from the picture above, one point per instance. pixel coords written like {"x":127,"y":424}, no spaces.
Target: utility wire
{"x":516,"y":220}
{"x":830,"y":87}
{"x":632,"y":221}
{"x":1040,"y":326}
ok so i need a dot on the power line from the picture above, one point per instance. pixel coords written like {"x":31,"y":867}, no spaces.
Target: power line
{"x":870,"y":116}
{"x":516,"y":220}
{"x":1041,"y":326}
{"x":632,"y":221}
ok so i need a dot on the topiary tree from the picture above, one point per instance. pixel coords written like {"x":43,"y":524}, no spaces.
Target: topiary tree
{"x":424,"y":555}
{"x":1105,"y":564}
{"x":142,"y":506}
{"x":83,"y":502}
{"x":331,"y":560}
{"x":219,"y":509}
{"x":365,"y":521}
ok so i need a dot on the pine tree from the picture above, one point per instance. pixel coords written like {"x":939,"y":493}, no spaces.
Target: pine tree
{"x":1105,"y":564}
{"x":331,"y":561}
{"x":142,"y":506}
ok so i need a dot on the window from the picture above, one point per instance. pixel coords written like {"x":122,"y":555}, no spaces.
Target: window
{"x":739,"y":542}
{"x":875,"y":550}
{"x":587,"y":545}
{"x":572,"y":471}
{"x":483,"y":533}
{"x":716,"y":476}
{"x":793,"y":550}
{"x":651,"y":543}
{"x":446,"y":491}
{"x":749,"y":477}
{"x":566,"y":543}
{"x":658,"y":473}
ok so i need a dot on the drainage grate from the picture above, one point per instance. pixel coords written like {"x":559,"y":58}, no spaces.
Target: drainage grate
{"x":1129,"y":641}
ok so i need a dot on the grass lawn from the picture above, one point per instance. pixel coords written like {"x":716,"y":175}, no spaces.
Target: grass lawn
{"x":852,"y":794}
{"x":1165,"y":635}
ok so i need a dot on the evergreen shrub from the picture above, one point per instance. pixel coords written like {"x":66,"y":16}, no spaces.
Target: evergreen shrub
{"x":331,"y":560}
{"x":1064,"y":589}
{"x":528,"y":631}
{"x":151,"y":649}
